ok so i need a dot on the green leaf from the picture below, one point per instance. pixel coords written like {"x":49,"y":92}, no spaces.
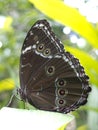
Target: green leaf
{"x":7,"y":24}
{"x":68,"y":16}
{"x":83,"y":127}
{"x":7,"y":84}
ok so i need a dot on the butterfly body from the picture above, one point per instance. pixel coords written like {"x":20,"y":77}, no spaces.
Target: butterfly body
{"x":50,"y":78}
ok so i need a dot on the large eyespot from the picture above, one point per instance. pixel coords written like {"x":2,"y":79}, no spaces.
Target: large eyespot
{"x":46,"y":52}
{"x":61,"y":83}
{"x":60,"y":102}
{"x":62,"y":92}
{"x":50,"y":70}
{"x":40,"y":47}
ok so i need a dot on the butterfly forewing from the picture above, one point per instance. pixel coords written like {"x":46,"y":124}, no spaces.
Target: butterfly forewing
{"x":50,"y":78}
{"x":38,"y":40}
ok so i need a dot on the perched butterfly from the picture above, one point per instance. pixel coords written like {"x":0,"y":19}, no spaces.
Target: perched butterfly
{"x":50,"y":78}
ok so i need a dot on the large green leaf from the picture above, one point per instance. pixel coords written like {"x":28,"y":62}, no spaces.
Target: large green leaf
{"x":69,"y":16}
{"x":89,"y":63}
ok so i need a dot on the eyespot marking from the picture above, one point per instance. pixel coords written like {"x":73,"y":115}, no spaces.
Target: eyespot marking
{"x":60,"y":102}
{"x":46,"y":52}
{"x":40,"y":47}
{"x":50,"y":70}
{"x":61,"y":82}
{"x":61,"y":92}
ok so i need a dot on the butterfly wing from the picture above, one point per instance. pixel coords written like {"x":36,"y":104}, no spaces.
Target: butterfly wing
{"x":50,"y":78}
{"x":40,"y":39}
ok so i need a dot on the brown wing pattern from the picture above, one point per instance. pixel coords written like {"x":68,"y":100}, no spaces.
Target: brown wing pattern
{"x":50,"y":78}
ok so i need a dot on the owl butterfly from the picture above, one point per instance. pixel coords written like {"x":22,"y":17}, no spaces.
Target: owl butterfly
{"x":51,"y":78}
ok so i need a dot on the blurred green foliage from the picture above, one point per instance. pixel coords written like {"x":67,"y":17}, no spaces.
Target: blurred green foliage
{"x":20,"y":16}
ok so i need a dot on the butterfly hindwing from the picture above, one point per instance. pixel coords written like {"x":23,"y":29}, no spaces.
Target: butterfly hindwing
{"x":58,"y":89}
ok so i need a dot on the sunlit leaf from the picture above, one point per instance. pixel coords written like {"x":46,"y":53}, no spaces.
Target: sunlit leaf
{"x":68,"y":16}
{"x":6,"y":23}
{"x":84,"y":127}
{"x":63,"y":127}
{"x":7,"y":84}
